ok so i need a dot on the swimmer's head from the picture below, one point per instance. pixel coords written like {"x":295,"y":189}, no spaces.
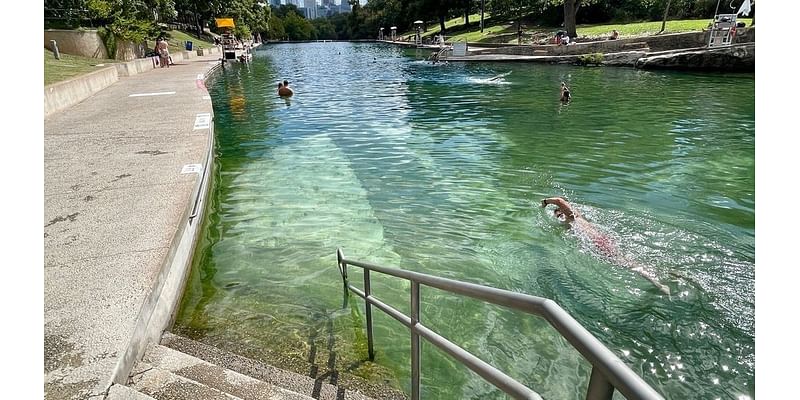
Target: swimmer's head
{"x":559,"y":214}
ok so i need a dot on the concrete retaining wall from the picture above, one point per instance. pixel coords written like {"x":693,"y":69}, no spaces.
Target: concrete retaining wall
{"x":137,"y":66}
{"x":61,"y":95}
{"x":86,"y":43}
{"x":158,"y":310}
{"x":654,"y":43}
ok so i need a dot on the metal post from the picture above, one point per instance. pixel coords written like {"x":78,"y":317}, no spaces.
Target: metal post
{"x":370,"y":347}
{"x":54,"y":47}
{"x":414,"y":341}
{"x":339,"y":258}
{"x":599,"y":387}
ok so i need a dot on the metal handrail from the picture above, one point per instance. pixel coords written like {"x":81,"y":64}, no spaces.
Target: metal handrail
{"x":608,"y":371}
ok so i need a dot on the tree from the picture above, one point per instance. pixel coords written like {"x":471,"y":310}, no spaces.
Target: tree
{"x":324,"y":29}
{"x":666,"y":12}
{"x":570,"y":11}
{"x":276,"y":30}
{"x":297,"y":27}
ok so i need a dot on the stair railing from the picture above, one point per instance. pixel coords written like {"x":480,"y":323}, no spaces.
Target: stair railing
{"x":609,"y":373}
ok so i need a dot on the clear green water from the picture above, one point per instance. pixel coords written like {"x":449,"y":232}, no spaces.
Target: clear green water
{"x":437,"y":170}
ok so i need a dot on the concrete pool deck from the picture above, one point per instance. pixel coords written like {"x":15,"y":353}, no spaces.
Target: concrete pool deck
{"x":125,"y":173}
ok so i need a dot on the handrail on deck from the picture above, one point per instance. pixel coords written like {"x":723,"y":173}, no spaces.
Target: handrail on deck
{"x":608,"y":371}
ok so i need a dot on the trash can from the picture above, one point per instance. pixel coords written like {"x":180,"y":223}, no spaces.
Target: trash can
{"x":189,"y":45}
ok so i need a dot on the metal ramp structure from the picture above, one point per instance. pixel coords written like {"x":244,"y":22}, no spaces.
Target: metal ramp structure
{"x":439,"y":55}
{"x":608,"y":374}
{"x":723,"y":30}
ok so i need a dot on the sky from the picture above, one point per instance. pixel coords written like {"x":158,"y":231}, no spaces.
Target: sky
{"x":777,"y":272}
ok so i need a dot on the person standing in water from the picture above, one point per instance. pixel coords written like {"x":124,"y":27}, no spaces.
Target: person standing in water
{"x":566,"y":96}
{"x":283,"y":89}
{"x":564,"y":212}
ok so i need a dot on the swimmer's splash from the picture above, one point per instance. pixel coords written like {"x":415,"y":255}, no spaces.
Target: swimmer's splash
{"x":495,"y":80}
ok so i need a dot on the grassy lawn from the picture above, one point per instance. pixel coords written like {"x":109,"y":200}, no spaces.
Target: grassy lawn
{"x":433,"y":28}
{"x":506,"y":31}
{"x":176,"y":41}
{"x":69,"y":66}
{"x":648,"y":28}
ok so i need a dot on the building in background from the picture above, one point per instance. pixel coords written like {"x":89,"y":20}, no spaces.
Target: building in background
{"x":310,"y":9}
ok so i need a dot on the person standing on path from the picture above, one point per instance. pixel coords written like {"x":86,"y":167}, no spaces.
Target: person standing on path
{"x":163,"y":52}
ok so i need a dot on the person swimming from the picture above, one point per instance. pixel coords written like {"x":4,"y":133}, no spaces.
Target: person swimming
{"x":283,"y":89}
{"x":566,"y":96}
{"x":604,"y":243}
{"x":496,"y":77}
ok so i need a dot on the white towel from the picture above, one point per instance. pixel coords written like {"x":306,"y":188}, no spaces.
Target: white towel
{"x":745,"y":8}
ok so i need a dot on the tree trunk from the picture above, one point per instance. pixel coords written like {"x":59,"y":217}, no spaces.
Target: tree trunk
{"x":570,"y":10}
{"x":666,"y":12}
{"x":441,"y":24}
{"x":482,"y":5}
{"x":197,"y":21}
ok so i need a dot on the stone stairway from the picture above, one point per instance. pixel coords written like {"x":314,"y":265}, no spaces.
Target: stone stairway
{"x":181,"y":368}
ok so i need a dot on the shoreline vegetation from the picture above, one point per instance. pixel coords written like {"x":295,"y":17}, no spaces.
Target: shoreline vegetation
{"x":506,"y":32}
{"x":71,"y":66}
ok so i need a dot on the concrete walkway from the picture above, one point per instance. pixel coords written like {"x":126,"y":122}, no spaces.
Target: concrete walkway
{"x":118,"y":199}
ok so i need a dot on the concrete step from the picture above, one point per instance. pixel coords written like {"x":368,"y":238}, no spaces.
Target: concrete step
{"x":326,"y":386}
{"x":122,"y":392}
{"x":189,"y":369}
{"x":162,"y":384}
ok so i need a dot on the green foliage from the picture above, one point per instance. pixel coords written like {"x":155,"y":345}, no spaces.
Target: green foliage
{"x":131,"y":29}
{"x":108,"y":40}
{"x":164,"y":9}
{"x":298,"y":28}
{"x":176,"y":39}
{"x":99,"y":9}
{"x":324,"y":28}
{"x":242,"y":31}
{"x":591,"y":59}
{"x":248,"y":15}
{"x":276,"y":30}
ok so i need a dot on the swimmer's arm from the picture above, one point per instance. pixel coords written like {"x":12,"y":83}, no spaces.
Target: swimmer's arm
{"x":562,"y":204}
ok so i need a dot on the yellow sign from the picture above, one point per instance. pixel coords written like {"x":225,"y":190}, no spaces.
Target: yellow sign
{"x":225,"y":23}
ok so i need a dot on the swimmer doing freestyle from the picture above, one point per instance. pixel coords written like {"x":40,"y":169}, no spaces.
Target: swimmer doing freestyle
{"x":566,"y":213}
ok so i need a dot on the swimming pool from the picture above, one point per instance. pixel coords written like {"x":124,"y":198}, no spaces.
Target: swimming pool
{"x":440,"y":170}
